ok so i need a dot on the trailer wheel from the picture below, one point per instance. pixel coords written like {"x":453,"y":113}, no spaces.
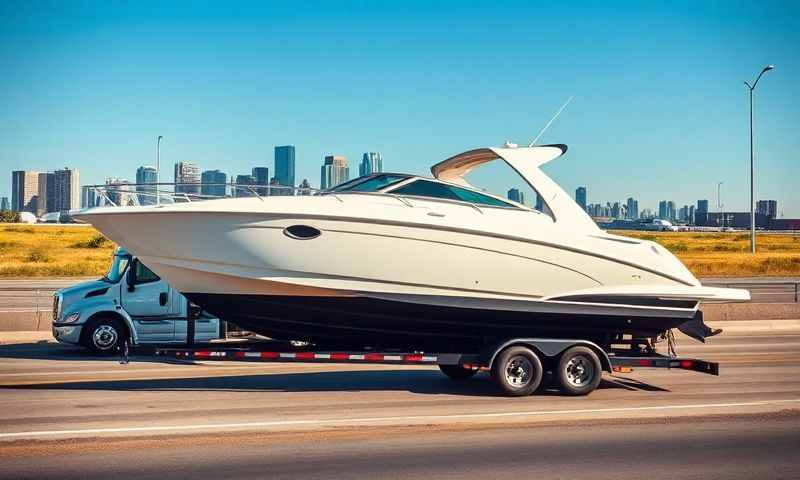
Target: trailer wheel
{"x":457,"y":372}
{"x":104,"y":335}
{"x":518,"y":371}
{"x":579,"y":371}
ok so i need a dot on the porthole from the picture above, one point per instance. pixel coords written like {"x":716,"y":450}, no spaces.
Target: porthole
{"x":301,"y":232}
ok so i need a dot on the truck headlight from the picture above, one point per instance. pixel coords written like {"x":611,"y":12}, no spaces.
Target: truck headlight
{"x":72,"y":318}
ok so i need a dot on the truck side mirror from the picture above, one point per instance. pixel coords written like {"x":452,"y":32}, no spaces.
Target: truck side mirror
{"x":130,"y":278}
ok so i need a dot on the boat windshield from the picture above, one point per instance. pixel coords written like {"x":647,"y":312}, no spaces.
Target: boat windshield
{"x":371,"y":183}
{"x":118,"y":267}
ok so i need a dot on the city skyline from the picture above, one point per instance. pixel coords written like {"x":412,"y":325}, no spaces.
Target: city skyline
{"x":660,"y":108}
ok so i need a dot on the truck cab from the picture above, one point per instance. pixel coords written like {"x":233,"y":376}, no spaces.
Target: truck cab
{"x":131,"y":303}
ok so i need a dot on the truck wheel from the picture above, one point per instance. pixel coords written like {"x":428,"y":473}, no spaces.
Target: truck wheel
{"x":518,"y":371}
{"x":104,"y":335}
{"x":457,"y":372}
{"x":579,"y":371}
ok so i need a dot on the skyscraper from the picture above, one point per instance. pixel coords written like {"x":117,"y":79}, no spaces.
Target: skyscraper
{"x":284,"y":165}
{"x":769,"y":208}
{"x":580,"y":197}
{"x":539,"y":203}
{"x":517,"y":196}
{"x":46,"y":202}
{"x":662,"y":210}
{"x":261,"y":178}
{"x":187,"y":173}
{"x":146,"y":175}
{"x":334,"y":171}
{"x":371,"y":162}
{"x":671,"y":213}
{"x":4,"y":205}
{"x":24,"y":191}
{"x":214,"y":177}
{"x":88,"y":197}
{"x":701,"y":214}
{"x":632,"y":209}
{"x":67,"y":190}
{"x":244,"y":191}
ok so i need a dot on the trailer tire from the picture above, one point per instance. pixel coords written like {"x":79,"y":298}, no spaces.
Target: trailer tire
{"x":457,"y":372}
{"x":103,"y":335}
{"x":579,"y":371}
{"x":518,"y":371}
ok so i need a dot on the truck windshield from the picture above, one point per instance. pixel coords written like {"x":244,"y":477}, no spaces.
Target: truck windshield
{"x":117,"y":269}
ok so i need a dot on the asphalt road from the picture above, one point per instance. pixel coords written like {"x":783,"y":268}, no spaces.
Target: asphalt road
{"x":64,"y":414}
{"x":29,"y":295}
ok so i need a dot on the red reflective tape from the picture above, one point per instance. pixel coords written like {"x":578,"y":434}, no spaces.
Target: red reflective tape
{"x":413,"y":357}
{"x":202,"y":354}
{"x":270,"y":354}
{"x":687,"y":364}
{"x":373,"y":357}
{"x":304,"y":356}
{"x":239,"y":354}
{"x":340,"y":356}
{"x":645,"y":363}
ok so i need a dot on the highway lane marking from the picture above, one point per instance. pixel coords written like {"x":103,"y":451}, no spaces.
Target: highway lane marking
{"x":413,"y":418}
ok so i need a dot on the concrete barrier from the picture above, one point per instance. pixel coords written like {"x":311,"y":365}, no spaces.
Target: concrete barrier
{"x":25,"y":321}
{"x":727,"y":312}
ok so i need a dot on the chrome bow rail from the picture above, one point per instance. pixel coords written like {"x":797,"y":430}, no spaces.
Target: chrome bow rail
{"x":137,"y":194}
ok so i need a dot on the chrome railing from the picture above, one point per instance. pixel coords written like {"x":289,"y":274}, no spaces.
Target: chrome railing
{"x":139,"y":194}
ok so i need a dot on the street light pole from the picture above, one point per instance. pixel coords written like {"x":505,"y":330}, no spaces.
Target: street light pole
{"x":158,"y":168}
{"x":719,"y":204}
{"x":752,"y":162}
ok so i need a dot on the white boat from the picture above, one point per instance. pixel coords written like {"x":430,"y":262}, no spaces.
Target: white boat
{"x":412,"y":262}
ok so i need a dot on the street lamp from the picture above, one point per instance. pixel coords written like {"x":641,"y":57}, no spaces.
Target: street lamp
{"x":752,"y":172}
{"x":158,"y":168}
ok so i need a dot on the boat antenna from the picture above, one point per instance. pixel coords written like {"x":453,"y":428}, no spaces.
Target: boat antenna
{"x":547,"y":125}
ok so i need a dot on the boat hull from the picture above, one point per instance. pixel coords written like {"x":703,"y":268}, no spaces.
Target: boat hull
{"x":360,"y":321}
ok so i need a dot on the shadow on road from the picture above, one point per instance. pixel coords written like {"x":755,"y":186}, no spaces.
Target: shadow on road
{"x":414,"y":381}
{"x":57,"y":351}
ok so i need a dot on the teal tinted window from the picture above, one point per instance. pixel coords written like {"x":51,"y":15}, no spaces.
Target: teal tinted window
{"x":425,"y":188}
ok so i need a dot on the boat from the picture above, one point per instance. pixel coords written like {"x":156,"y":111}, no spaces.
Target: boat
{"x":418,"y":263}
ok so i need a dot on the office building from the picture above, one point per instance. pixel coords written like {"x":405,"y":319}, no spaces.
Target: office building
{"x":67,"y":190}
{"x":516,"y":195}
{"x":539,"y":203}
{"x":261,"y":179}
{"x":188,"y":176}
{"x":4,"y":205}
{"x":701,"y":212}
{"x":213,"y":183}
{"x":245,"y":191}
{"x":616,"y":210}
{"x":119,"y":191}
{"x":46,"y":202}
{"x":24,"y":191}
{"x":580,"y":197}
{"x":691,"y":214}
{"x":145,"y":176}
{"x":631,"y":209}
{"x":334,"y":171}
{"x":768,"y":208}
{"x":284,"y":165}
{"x":89,"y":197}
{"x":371,"y":162}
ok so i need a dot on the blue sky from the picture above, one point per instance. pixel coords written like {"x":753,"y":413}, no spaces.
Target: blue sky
{"x":660,"y":110}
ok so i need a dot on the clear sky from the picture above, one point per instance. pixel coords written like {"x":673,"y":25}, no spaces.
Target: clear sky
{"x":660,"y":109}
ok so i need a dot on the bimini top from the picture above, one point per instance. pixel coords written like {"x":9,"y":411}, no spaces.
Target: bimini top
{"x":526,"y":162}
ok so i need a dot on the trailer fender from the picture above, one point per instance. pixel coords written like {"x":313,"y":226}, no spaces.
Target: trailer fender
{"x":547,"y":347}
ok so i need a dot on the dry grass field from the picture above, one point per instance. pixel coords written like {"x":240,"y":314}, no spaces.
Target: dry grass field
{"x":713,"y":254}
{"x":53,"y":251}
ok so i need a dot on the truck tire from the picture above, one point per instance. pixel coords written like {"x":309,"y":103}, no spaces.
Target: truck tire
{"x":517,"y":371}
{"x":579,"y":371}
{"x":104,"y":335}
{"x":457,"y":372}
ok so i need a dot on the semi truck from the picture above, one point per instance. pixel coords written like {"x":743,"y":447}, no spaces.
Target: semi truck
{"x":130,"y":304}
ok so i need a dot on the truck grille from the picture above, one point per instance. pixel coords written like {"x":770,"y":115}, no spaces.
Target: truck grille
{"x":56,"y":305}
